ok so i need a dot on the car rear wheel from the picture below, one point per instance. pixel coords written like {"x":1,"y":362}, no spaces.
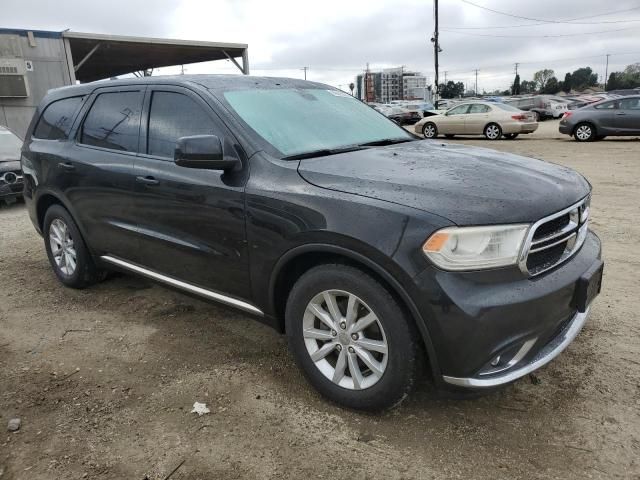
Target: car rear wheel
{"x":430,"y":130}
{"x":493,"y":131}
{"x":584,"y":132}
{"x":510,"y":136}
{"x":351,"y":339}
{"x":67,"y":252}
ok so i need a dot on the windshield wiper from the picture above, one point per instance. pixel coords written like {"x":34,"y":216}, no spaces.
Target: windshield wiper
{"x":386,"y":141}
{"x":323,"y":152}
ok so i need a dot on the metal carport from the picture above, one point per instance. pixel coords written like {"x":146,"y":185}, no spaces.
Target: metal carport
{"x":92,"y":56}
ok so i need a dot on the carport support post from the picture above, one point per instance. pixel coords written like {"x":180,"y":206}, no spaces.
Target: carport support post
{"x":245,"y":61}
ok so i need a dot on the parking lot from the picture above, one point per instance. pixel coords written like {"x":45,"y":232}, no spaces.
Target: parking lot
{"x":104,"y":379}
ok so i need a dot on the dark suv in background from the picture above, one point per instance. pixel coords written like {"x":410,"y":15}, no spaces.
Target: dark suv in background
{"x":10,"y":173}
{"x":376,"y":252}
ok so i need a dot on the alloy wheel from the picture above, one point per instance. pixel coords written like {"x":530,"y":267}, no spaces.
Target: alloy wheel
{"x":345,"y":339}
{"x":429,"y":131}
{"x":62,"y":247}
{"x":492,"y":132}
{"x":583,"y":132}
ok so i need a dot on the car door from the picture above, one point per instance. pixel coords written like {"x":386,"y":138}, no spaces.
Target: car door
{"x":604,"y":117}
{"x":99,"y":169}
{"x":191,"y":222}
{"x":476,"y":118}
{"x":452,"y":122}
{"x":626,"y":118}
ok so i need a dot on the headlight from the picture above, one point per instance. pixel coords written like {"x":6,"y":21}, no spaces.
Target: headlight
{"x":474,"y":248}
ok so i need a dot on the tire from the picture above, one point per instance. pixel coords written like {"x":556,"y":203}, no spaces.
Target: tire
{"x":510,"y":136}
{"x":537,"y":116}
{"x":449,"y":135}
{"x":367,"y":390}
{"x":74,"y":267}
{"x":492,"y":131}
{"x":584,"y":132}
{"x":430,"y":130}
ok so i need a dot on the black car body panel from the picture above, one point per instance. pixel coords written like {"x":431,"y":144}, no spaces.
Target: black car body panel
{"x":246,"y":234}
{"x":470,"y":186}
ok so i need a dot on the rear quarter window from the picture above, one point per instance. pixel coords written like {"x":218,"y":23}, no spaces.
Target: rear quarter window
{"x":57,"y":118}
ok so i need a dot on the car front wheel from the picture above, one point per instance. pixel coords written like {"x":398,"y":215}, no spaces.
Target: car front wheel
{"x":430,"y":130}
{"x":351,"y":339}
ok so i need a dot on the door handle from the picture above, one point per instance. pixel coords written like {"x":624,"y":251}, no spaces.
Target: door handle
{"x":66,"y":166}
{"x":620,"y":113}
{"x":150,"y":181}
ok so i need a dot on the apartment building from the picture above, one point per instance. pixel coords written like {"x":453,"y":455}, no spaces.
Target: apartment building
{"x":392,"y":84}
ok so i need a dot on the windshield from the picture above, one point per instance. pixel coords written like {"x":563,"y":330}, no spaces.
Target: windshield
{"x":10,"y":146}
{"x":296,"y":121}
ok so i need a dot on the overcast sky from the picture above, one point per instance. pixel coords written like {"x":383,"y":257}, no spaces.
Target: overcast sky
{"x":336,"y":39}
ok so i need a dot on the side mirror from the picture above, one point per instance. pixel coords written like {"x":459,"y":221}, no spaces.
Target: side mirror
{"x":202,"y":151}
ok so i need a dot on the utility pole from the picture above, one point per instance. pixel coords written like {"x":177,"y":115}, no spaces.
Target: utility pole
{"x":606,"y":73}
{"x":436,"y":47}
{"x":476,"y":82}
{"x":445,"y":76}
{"x":517,"y":68}
{"x":305,"y":71}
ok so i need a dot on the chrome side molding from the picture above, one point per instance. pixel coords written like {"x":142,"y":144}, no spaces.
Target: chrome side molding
{"x":203,"y":292}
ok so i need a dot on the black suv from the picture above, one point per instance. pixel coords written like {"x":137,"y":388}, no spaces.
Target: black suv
{"x":376,"y":252}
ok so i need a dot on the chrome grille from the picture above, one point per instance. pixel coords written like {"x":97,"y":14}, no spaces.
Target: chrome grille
{"x":554,"y":239}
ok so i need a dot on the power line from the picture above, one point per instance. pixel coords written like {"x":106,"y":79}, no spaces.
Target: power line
{"x":546,"y":20}
{"x":539,"y":35}
{"x":496,"y":27}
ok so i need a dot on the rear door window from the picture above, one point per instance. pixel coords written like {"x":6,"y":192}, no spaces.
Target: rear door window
{"x":113,"y":121}
{"x":174,"y":115}
{"x":55,"y":123}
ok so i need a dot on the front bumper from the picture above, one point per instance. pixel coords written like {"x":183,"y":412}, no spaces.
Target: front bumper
{"x":13,"y":190}
{"x":475,"y":317}
{"x":550,"y":351}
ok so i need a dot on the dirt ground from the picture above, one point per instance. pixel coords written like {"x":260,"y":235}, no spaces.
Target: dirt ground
{"x":104,"y":379}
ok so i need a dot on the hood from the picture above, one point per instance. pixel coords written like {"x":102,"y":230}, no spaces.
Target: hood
{"x":467,"y":185}
{"x":9,"y":165}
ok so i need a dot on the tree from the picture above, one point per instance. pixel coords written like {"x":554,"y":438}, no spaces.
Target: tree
{"x":566,"y":85}
{"x":515,"y":88}
{"x":451,"y":89}
{"x":629,"y":78}
{"x":528,"y":86}
{"x":551,"y":86}
{"x":584,"y":78}
{"x":542,"y":77}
